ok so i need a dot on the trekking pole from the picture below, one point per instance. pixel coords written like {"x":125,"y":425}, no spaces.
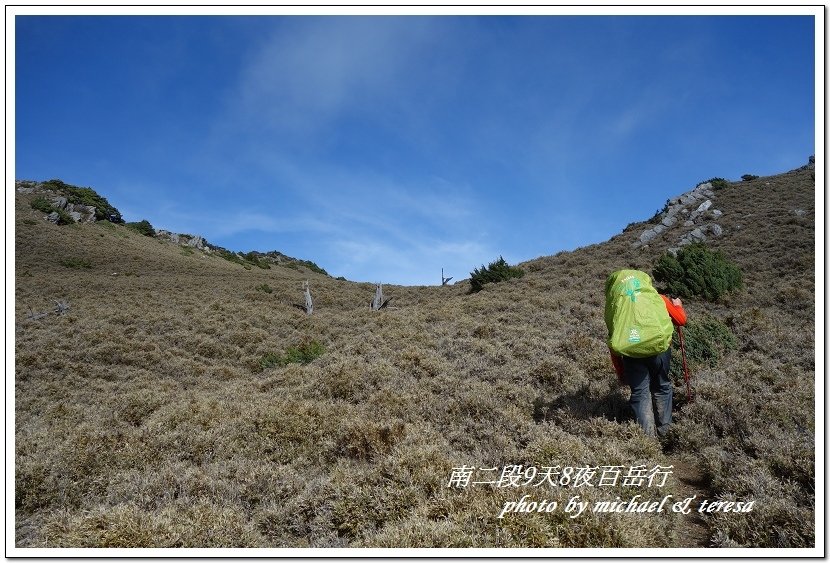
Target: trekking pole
{"x":686,"y":377}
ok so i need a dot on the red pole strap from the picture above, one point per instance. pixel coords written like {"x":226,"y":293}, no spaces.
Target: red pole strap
{"x":686,"y":376}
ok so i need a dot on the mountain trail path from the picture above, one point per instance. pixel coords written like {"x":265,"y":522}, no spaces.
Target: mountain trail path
{"x":694,"y":530}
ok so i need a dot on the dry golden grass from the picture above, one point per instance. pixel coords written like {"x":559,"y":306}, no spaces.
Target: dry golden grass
{"x":144,"y":417}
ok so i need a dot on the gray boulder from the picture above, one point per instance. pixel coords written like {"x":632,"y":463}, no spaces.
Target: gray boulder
{"x":701,"y":209}
{"x":81,"y":213}
{"x":673,"y":210}
{"x":704,"y":206}
{"x":167,"y":235}
{"x":196,"y":242}
{"x":698,"y":234}
{"x":648,"y":236}
{"x":688,"y":198}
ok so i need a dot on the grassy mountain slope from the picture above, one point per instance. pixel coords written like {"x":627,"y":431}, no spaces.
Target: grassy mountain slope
{"x":145,"y":416}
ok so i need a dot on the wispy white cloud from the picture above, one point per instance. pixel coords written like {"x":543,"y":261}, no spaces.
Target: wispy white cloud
{"x":243,"y":221}
{"x":417,"y":263}
{"x":312,"y":70}
{"x":354,"y":222}
{"x":398,"y":232}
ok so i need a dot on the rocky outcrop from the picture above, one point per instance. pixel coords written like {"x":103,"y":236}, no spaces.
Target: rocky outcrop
{"x":27,"y":187}
{"x":168,"y":236}
{"x":193,"y":241}
{"x":687,"y":218}
{"x":698,"y":218}
{"x":62,"y":206}
{"x":79,"y":213}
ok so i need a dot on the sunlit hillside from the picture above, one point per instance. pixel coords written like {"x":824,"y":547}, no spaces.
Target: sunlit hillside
{"x":166,"y":397}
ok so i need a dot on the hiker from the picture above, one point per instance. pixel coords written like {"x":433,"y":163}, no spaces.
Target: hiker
{"x":640,"y":325}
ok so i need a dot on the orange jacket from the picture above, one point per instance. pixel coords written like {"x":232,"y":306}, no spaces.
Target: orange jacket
{"x":678,"y":317}
{"x":676,"y":312}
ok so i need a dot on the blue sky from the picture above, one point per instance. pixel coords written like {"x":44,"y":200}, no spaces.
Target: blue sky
{"x":387,"y":148}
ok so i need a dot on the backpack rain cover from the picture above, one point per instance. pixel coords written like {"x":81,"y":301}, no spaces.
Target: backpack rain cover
{"x":639,"y":326}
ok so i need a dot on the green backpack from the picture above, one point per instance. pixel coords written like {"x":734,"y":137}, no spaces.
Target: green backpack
{"x":638,"y":323}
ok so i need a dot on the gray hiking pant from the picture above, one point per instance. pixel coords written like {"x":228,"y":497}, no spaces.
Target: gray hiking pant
{"x":651,"y":391}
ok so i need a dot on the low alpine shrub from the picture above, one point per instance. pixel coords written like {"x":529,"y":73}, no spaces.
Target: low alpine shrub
{"x":313,"y":267}
{"x":271,"y":360}
{"x":75,"y":263}
{"x":495,"y":272}
{"x":255,"y":259}
{"x":42,"y":204}
{"x":64,"y":218}
{"x":229,"y":256}
{"x":705,"y":340}
{"x":749,"y":177}
{"x":697,"y":271}
{"x":717,"y":183}
{"x":144,"y":227}
{"x":305,"y":353}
